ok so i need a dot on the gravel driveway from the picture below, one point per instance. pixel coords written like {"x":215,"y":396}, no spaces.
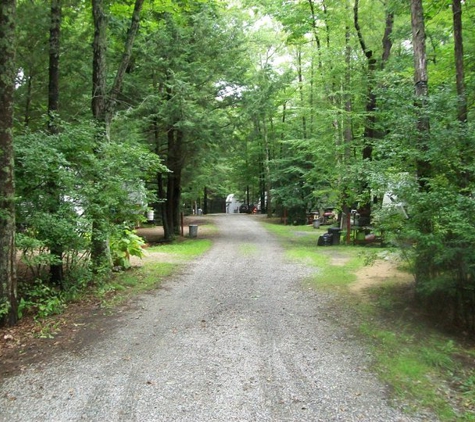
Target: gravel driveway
{"x":235,"y":337}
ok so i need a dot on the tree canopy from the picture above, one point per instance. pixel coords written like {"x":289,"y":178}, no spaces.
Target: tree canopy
{"x":122,"y":106}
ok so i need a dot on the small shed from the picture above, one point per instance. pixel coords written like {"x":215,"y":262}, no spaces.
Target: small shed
{"x":232,"y":204}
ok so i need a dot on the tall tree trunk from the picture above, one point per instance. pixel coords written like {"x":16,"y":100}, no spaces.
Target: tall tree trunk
{"x":99,"y":70}
{"x":54,"y":45}
{"x":347,"y":128}
{"x":421,"y":87}
{"x":205,"y":200}
{"x":8,"y":282}
{"x":175,"y":165}
{"x":347,"y":121}
{"x":103,"y":108}
{"x":267,"y":159}
{"x":387,"y":39}
{"x":56,"y":248}
{"x":315,"y":33}
{"x":302,"y":98}
{"x":100,"y":251}
{"x":459,"y":66}
{"x":124,"y":64}
{"x":462,"y":112}
{"x":370,"y":132}
{"x":29,"y":87}
{"x":423,"y":259}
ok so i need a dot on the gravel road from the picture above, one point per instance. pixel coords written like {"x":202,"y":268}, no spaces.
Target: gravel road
{"x":236,"y":336}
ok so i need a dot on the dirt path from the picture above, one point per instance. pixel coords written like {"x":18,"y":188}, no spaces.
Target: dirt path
{"x":381,"y":272}
{"x":235,"y":337}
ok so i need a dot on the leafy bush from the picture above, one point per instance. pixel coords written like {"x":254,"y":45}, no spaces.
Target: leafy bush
{"x":42,"y":300}
{"x":124,"y":244}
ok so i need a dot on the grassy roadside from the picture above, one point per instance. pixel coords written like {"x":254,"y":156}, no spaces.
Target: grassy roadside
{"x":50,"y":314}
{"x":425,"y":367}
{"x":150,"y":275}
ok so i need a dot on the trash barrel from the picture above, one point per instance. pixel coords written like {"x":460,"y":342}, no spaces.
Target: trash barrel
{"x":325,"y":240}
{"x":316,"y":224}
{"x":193,"y":230}
{"x":335,"y":232}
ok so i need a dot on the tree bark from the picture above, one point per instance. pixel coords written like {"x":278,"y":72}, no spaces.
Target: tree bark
{"x":387,"y":40}
{"x":8,"y":282}
{"x":54,"y":45}
{"x":459,"y":65}
{"x":175,"y":165}
{"x":100,"y":251}
{"x":465,"y":176}
{"x":302,"y":98}
{"x":370,"y":132}
{"x":421,"y":90}
{"x":347,"y":128}
{"x":103,"y":109}
{"x":99,"y":70}
{"x":127,"y":53}
{"x":423,"y":260}
{"x":56,"y":249}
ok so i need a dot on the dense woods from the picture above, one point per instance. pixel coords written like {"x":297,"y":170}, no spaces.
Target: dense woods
{"x":121,"y":106}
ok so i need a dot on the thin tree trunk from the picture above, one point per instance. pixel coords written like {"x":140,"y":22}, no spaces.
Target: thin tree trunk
{"x":56,"y":248}
{"x":103,"y":109}
{"x":347,"y":131}
{"x":421,"y":90}
{"x":423,"y":260}
{"x":302,"y":98}
{"x":315,"y":33}
{"x":99,"y":70}
{"x":205,"y":200}
{"x":126,"y":55}
{"x":387,"y":39}
{"x":54,"y":45}
{"x":175,"y":164}
{"x":8,"y":282}
{"x":29,"y":85}
{"x":459,"y":65}
{"x":371,"y":97}
{"x":462,"y":111}
{"x":100,"y":251}
{"x":267,"y":167}
{"x":370,"y":132}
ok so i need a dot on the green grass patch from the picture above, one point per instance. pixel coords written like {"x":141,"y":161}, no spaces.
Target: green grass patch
{"x":149,"y":276}
{"x":425,"y":367}
{"x":186,"y":248}
{"x":301,"y":245}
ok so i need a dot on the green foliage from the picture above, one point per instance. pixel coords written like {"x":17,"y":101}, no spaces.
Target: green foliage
{"x":125,"y":243}
{"x":5,"y":307}
{"x":63,"y":186}
{"x":41,"y":300}
{"x":267,"y":105}
{"x":34,"y":254}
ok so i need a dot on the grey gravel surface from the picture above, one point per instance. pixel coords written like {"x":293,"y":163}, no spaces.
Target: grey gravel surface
{"x":237,"y":336}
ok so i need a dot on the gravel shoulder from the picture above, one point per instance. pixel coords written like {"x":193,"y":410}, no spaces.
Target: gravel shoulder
{"x":236,"y":336}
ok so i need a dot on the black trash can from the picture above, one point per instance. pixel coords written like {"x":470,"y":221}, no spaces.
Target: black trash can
{"x":325,"y":240}
{"x":335,"y":232}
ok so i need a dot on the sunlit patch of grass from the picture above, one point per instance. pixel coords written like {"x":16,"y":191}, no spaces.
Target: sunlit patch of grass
{"x":187,"y":247}
{"x":301,"y":245}
{"x":421,"y":367}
